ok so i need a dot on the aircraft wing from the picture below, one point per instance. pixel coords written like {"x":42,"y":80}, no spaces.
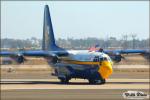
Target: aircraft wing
{"x":41,"y":53}
{"x":116,"y":54}
{"x":125,"y":51}
{"x":19,"y":55}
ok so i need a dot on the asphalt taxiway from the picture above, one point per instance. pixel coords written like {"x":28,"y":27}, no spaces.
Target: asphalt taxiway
{"x":51,"y":89}
{"x":35,"y":83}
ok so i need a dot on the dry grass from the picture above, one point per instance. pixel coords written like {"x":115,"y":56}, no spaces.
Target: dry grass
{"x":133,"y":59}
{"x":33,"y":68}
{"x":131,"y":70}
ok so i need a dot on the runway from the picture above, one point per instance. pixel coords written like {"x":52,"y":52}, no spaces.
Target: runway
{"x":36,"y":83}
{"x":51,"y":89}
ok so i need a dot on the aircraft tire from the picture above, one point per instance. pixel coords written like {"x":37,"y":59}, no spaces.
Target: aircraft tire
{"x":64,"y":80}
{"x":103,"y":81}
{"x":92,"y":81}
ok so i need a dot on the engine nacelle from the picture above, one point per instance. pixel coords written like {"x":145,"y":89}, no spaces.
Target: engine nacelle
{"x":20,"y":59}
{"x":52,"y":59}
{"x":116,"y":57}
{"x":147,"y":55}
{"x":55,"y":60}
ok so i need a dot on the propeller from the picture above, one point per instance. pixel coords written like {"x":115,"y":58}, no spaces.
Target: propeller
{"x":52,"y":59}
{"x":147,"y":54}
{"x":20,"y":58}
{"x":117,"y":57}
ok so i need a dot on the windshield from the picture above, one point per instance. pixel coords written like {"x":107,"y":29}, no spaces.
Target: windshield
{"x":100,"y":58}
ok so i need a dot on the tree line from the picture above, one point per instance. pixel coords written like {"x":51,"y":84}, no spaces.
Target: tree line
{"x":71,"y":43}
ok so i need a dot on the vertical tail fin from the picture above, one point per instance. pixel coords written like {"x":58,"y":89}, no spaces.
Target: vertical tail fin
{"x":48,"y":34}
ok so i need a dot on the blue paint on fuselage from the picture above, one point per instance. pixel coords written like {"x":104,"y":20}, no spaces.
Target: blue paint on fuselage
{"x":77,"y":70}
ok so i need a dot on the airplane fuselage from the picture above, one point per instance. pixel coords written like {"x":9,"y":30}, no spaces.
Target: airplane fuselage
{"x":83,"y":64}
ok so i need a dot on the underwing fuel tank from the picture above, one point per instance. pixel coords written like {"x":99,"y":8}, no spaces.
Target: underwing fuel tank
{"x":105,"y":69}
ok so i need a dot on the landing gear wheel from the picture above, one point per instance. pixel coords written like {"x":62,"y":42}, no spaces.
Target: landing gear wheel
{"x":64,"y":80}
{"x":103,"y":81}
{"x":92,"y":81}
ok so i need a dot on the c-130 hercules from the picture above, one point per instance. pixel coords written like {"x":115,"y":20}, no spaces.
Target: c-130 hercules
{"x":67,"y":64}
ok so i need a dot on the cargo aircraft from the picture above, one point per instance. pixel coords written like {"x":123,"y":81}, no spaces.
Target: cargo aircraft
{"x":94,"y":66}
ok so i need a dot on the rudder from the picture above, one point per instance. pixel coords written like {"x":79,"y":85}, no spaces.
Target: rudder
{"x":48,"y":42}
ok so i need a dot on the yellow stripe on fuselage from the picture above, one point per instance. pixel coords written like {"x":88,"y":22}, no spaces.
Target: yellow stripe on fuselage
{"x":82,"y":62}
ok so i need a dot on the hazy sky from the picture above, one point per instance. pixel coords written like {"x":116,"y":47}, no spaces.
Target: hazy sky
{"x":77,"y":19}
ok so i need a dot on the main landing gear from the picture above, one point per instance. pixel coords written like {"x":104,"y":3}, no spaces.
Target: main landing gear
{"x":93,"y":81}
{"x":64,"y":80}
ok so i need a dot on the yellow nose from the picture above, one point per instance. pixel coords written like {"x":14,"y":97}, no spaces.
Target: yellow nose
{"x":105,"y":69}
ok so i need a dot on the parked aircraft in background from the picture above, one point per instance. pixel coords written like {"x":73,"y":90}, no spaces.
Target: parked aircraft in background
{"x":67,"y":64}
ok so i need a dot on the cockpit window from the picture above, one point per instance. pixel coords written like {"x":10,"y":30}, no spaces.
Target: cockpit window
{"x":98,"y":59}
{"x":101,"y":59}
{"x":105,"y":59}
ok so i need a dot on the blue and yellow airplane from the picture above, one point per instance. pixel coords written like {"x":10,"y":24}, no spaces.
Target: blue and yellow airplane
{"x":94,"y":66}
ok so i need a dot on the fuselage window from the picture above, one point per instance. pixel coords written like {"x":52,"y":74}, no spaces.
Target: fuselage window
{"x":101,"y":59}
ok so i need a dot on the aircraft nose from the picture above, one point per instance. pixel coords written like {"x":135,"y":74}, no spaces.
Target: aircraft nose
{"x":105,"y":69}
